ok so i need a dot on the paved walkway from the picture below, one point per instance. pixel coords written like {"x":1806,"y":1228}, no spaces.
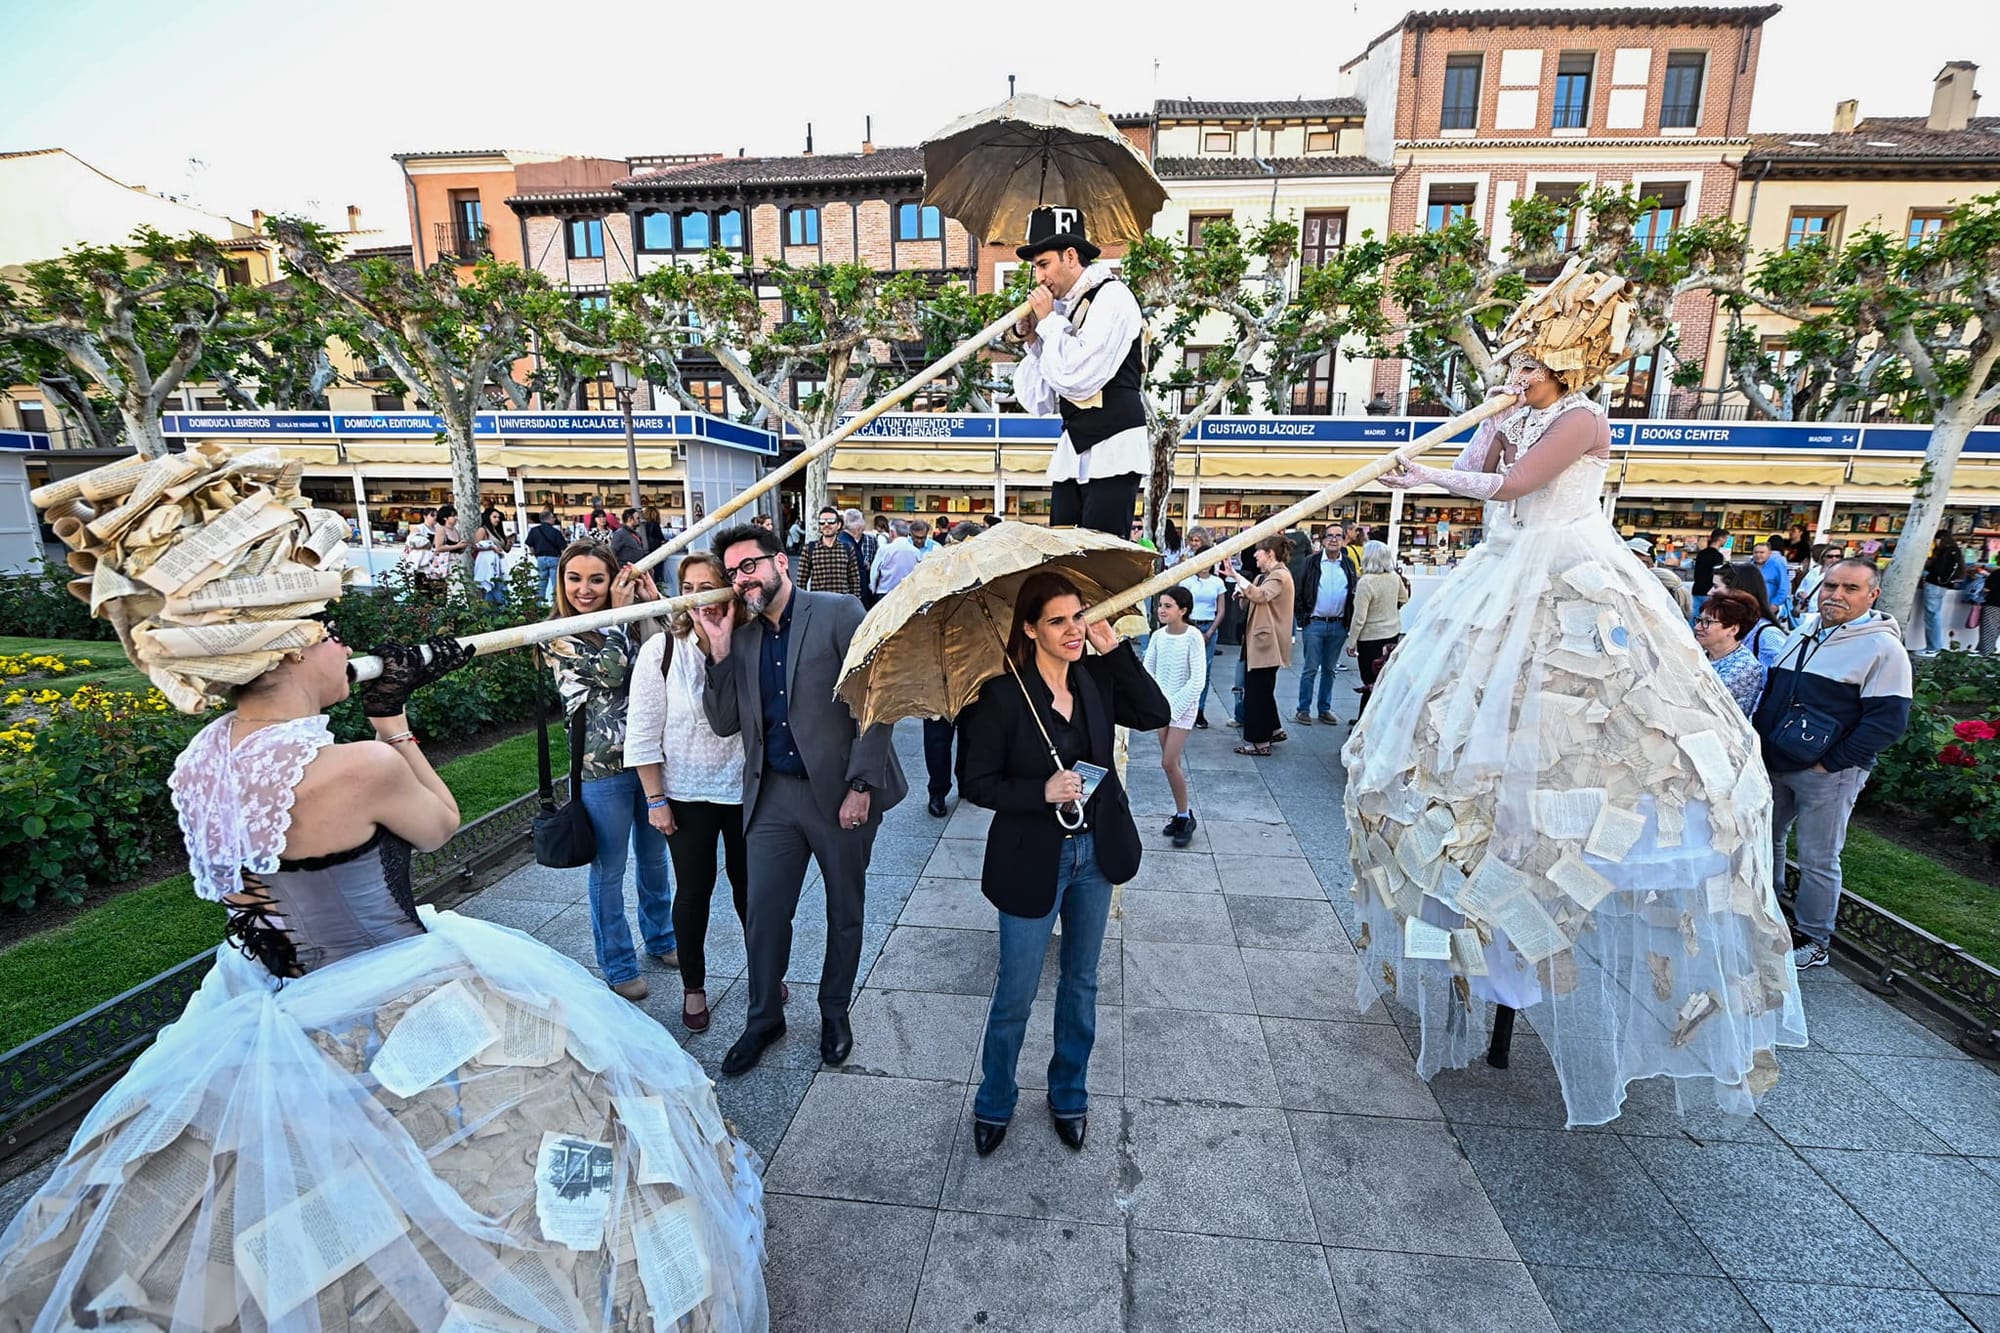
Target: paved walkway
{"x":1261,"y":1156}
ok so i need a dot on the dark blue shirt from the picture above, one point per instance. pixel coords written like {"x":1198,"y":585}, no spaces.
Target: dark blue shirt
{"x":781,"y":751}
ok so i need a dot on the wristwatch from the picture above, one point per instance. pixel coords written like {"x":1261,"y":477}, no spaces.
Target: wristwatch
{"x":857,"y":784}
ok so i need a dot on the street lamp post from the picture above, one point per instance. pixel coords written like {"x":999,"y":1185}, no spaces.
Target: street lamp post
{"x":626,"y":385}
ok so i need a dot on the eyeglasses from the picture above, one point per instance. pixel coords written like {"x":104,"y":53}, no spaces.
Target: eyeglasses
{"x":829,"y":523}
{"x":1699,"y":621}
{"x":748,"y":569}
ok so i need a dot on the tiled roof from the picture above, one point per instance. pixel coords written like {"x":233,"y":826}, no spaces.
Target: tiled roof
{"x":1624,"y":16}
{"x":1315,"y":108}
{"x":811,"y":169}
{"x":1243,"y":168}
{"x":1884,"y":141}
{"x":547,"y":199}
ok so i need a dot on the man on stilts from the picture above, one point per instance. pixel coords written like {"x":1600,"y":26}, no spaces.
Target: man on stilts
{"x":1083,"y":356}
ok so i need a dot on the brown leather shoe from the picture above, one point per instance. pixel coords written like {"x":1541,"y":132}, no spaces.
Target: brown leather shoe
{"x":671,"y":958}
{"x":695,"y":1019}
{"x":634,"y":990}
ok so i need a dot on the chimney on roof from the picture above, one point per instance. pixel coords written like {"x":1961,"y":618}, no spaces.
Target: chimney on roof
{"x":1845,"y":113}
{"x":257,"y":220}
{"x":1953,"y":100}
{"x":868,"y":135}
{"x":809,"y":138}
{"x":354,"y":217}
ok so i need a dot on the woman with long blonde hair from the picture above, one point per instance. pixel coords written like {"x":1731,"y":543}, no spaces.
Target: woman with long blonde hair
{"x":691,"y":778}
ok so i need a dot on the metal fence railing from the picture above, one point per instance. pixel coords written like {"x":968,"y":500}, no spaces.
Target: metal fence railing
{"x":50,"y":1081}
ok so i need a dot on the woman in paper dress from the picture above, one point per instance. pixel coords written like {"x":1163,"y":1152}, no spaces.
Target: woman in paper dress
{"x":374,"y":1115}
{"x":1554,"y":804}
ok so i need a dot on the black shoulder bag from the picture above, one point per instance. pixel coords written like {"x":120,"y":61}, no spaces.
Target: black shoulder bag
{"x":564,"y":839}
{"x":1804,"y":734}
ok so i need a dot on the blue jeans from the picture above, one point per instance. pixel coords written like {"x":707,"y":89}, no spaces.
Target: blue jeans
{"x":546,"y":565}
{"x":1209,"y":687}
{"x":1934,"y":617}
{"x":617,"y":809}
{"x":1242,"y":680}
{"x":1083,"y":901}
{"x":1323,"y":640}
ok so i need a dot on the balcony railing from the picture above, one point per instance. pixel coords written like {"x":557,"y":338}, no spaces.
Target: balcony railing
{"x":463,"y":243}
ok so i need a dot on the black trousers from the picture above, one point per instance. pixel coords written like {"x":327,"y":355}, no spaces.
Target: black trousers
{"x":1260,"y":704}
{"x":787,"y":829}
{"x":691,"y":847}
{"x":938,"y":733}
{"x":1371,"y":654}
{"x":1103,"y":506}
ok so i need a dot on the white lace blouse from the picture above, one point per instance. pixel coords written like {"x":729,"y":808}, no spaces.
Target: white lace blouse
{"x":666,"y":726}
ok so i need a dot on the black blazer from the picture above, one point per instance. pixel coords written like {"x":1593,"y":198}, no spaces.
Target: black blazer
{"x":1004,"y":765}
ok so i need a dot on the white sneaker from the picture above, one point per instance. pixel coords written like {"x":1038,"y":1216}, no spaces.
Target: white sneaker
{"x":1810,"y":954}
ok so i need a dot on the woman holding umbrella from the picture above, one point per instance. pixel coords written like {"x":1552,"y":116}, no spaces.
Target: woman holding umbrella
{"x":1038,"y":752}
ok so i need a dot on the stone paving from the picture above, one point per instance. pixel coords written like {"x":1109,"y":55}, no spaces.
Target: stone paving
{"x":1262,"y":1156}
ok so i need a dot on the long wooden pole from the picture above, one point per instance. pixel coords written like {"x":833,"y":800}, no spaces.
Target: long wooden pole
{"x":367,"y":666}
{"x":774,"y":479}
{"x":1277,"y":523}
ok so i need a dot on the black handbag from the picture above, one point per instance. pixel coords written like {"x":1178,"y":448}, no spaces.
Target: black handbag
{"x":564,"y":839}
{"x":1803,"y":734}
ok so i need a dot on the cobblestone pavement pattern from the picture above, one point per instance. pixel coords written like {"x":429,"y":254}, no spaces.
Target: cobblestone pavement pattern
{"x":1262,"y":1156}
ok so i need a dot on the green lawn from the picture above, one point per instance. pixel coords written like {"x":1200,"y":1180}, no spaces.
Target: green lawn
{"x":54,"y":976}
{"x":108,"y":668}
{"x":1924,"y":893}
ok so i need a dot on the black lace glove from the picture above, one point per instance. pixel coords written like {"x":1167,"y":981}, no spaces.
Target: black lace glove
{"x":404,"y":669}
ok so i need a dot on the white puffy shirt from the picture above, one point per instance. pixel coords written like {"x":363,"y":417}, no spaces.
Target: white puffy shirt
{"x":665,"y":725}
{"x":1063,"y":363}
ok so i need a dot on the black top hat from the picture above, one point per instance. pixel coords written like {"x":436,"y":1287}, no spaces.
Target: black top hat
{"x":1057,"y":227}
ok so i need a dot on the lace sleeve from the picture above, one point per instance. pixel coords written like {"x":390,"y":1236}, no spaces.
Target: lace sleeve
{"x":235,"y":806}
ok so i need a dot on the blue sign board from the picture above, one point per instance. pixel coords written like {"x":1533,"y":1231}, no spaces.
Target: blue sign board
{"x":1746,"y":435}
{"x":1305,"y":430}
{"x":1916,"y":439}
{"x":23,"y":439}
{"x":427,"y":425}
{"x":418,"y":424}
{"x":248,"y":423}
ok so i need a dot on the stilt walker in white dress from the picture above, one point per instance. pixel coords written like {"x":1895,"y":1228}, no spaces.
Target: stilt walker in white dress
{"x":1554,"y":805}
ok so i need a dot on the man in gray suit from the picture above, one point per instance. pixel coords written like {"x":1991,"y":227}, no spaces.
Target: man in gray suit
{"x":814,"y":783}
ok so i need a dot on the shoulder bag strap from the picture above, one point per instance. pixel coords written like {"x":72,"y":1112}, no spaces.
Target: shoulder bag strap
{"x":544,"y":778}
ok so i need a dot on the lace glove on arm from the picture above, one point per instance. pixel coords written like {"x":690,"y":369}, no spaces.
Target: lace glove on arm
{"x":1478,"y":456}
{"x":1471,"y":485}
{"x":404,"y":670}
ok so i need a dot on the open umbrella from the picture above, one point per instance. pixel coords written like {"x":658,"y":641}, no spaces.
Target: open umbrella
{"x":991,"y":168}
{"x":926,"y":648}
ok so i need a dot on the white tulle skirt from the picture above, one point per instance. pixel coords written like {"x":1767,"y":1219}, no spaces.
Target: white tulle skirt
{"x":1553,"y":803}
{"x":460,"y":1131}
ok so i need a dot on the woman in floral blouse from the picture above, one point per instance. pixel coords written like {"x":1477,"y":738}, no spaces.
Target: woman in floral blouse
{"x":593,"y":673}
{"x":1726,"y":620}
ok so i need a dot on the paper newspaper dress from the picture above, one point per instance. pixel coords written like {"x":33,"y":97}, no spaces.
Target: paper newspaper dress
{"x":459,"y":1129}
{"x":1554,"y":803}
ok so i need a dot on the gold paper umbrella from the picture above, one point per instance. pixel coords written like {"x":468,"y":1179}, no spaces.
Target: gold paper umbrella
{"x":928,"y":646}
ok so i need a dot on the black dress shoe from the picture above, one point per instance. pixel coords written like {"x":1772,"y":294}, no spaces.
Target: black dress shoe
{"x":1069,"y":1128}
{"x":836,"y":1038}
{"x":749,"y":1049}
{"x":986,"y":1137}
{"x":936,"y":807}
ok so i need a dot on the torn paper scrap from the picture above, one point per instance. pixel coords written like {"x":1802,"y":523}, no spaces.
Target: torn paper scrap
{"x":1615,"y":833}
{"x":1423,"y":940}
{"x":573,"y":1182}
{"x":438,"y":1034}
{"x":314,"y":1241}
{"x":661,"y":1161}
{"x":672,"y":1263}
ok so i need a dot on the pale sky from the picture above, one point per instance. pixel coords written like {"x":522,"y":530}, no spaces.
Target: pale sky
{"x":237,"y":104}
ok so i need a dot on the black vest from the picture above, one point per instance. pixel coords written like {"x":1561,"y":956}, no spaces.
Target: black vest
{"x":1123,"y":406}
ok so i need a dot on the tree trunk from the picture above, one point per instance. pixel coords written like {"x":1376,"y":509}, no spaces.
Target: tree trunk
{"x":1913,"y":546}
{"x":819,"y":491}
{"x":143,"y":431}
{"x":1165,"y":443}
{"x":464,"y":482}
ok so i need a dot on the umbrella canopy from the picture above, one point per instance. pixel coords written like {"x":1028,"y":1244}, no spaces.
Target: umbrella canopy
{"x":991,"y":168}
{"x":926,"y":648}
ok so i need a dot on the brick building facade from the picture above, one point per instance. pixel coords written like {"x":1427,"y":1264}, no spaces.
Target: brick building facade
{"x":1476,"y":109}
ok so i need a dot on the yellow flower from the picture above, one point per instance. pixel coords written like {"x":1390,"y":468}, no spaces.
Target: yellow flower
{"x":83,"y":661}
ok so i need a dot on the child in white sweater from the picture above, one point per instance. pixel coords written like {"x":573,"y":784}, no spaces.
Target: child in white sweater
{"x":1177,"y":660}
